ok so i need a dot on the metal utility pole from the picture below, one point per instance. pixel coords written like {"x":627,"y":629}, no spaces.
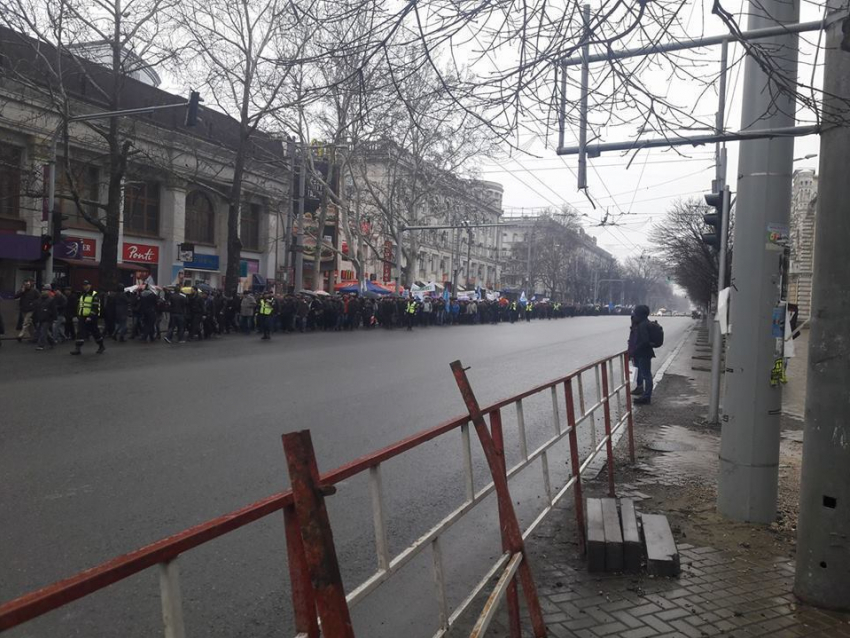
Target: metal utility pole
{"x":299,"y":238}
{"x":823,"y":531}
{"x":749,"y":447}
{"x":468,"y":257}
{"x":585,"y":92}
{"x":719,"y":186}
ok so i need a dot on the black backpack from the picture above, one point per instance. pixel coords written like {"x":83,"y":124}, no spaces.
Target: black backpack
{"x":656,"y":334}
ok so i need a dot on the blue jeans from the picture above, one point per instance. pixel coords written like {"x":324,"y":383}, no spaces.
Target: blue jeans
{"x":644,"y":375}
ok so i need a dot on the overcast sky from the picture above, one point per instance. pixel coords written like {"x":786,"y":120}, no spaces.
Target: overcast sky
{"x":656,"y":177}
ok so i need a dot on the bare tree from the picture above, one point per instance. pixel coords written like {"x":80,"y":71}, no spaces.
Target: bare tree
{"x":244,"y":56}
{"x":82,"y":54}
{"x":413,"y":148}
{"x":691,"y":262}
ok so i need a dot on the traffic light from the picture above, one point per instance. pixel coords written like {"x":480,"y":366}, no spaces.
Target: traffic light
{"x":46,"y":245}
{"x":714,"y":220}
{"x":56,"y":228}
{"x":192,"y":108}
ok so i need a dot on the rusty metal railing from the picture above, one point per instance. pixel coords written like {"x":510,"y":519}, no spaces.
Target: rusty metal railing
{"x":309,"y":550}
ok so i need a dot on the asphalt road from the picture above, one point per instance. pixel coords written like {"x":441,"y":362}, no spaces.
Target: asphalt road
{"x":102,"y":454}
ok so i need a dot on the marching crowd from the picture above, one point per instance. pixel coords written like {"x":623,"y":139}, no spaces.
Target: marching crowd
{"x":176,"y":315}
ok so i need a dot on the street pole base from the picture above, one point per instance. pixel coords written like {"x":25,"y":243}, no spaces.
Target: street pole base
{"x":746,"y":493}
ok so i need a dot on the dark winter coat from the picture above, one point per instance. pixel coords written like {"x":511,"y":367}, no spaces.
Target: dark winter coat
{"x":122,"y":306}
{"x":639,"y":342}
{"x":45,"y":310}
{"x":177,"y":303}
{"x":29,"y":299}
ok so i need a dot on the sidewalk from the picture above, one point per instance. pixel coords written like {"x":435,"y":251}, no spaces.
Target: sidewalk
{"x":736,"y":579}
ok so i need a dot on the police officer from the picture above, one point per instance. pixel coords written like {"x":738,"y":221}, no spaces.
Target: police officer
{"x":512,"y":312}
{"x":410,"y":313}
{"x":529,"y":308}
{"x":265,"y":313}
{"x":89,"y":308}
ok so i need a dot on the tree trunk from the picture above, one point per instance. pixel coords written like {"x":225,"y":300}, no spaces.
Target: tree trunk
{"x":318,"y":280}
{"x":234,"y":244}
{"x":117,"y":166}
{"x":109,"y":278}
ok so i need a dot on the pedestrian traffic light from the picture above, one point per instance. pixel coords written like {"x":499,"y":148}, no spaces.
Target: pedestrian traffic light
{"x":192,"y":108}
{"x":714,"y":219}
{"x":46,"y":245}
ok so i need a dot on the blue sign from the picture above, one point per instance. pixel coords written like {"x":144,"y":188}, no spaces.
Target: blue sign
{"x":202,"y":262}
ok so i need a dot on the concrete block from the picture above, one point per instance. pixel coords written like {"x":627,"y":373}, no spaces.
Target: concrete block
{"x":613,"y":536}
{"x":632,"y":549}
{"x":595,"y":536}
{"x":662,"y":557}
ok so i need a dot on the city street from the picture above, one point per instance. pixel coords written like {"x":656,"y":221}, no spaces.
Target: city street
{"x":103,"y":454}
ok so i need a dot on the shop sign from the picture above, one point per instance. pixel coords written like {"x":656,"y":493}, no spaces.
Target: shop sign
{"x":249,"y":267}
{"x":185,"y":252}
{"x":140,"y":253}
{"x":202,"y":262}
{"x":77,"y":248}
{"x":388,"y":259}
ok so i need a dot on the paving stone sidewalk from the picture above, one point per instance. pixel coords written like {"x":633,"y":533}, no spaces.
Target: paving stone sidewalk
{"x":736,"y":579}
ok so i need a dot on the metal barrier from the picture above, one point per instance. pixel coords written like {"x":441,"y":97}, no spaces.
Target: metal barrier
{"x":314,"y":573}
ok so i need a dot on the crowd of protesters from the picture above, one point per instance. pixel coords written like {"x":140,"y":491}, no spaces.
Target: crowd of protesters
{"x":176,"y":315}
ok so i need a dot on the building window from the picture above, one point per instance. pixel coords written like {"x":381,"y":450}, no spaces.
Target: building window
{"x":200,"y":218}
{"x":10,"y":181}
{"x":85,"y":180}
{"x":249,"y":227}
{"x":141,"y":208}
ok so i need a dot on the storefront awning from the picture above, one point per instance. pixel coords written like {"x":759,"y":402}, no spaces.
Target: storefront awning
{"x":20,"y":247}
{"x":91,"y":263}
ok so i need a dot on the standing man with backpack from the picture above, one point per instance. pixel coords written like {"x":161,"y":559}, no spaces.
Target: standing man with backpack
{"x":643,"y":337}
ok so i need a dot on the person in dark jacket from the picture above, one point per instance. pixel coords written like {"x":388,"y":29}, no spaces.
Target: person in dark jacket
{"x":642,"y":354}
{"x":43,"y":316}
{"x":61,"y":302}
{"x":122,"y":311}
{"x":208,"y":315}
{"x":231,"y":312}
{"x":147,"y":309}
{"x":71,"y":313}
{"x":195,"y":315}
{"x":177,"y":306}
{"x":29,"y":299}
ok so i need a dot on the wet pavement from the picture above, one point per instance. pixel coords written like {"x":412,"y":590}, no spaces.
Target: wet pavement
{"x":736,"y":579}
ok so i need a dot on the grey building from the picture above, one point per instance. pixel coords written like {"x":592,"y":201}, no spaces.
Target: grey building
{"x":804,"y":193}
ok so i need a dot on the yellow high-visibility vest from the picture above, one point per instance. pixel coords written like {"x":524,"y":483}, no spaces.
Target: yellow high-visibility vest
{"x":85,"y":307}
{"x":411,"y":307}
{"x":266,"y":307}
